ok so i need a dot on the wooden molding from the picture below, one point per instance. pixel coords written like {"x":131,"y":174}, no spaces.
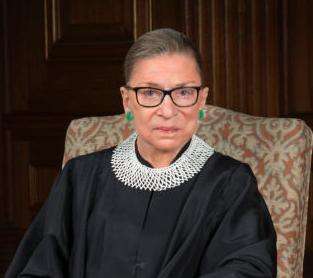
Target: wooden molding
{"x":41,"y":178}
{"x":71,"y":36}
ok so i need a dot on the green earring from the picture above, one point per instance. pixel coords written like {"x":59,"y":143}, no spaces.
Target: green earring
{"x":129,"y":116}
{"x":200,"y":116}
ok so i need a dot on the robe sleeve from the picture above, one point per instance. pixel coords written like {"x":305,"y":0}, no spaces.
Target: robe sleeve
{"x":45,"y":247}
{"x":244,"y":243}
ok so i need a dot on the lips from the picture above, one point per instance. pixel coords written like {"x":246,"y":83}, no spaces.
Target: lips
{"x":167,"y":129}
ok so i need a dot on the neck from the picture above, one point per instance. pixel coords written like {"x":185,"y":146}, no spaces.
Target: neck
{"x":156,"y":157}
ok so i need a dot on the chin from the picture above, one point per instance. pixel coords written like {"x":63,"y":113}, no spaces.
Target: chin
{"x":168,"y":145}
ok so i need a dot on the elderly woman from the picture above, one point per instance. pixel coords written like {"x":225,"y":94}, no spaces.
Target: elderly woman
{"x":162,"y":204}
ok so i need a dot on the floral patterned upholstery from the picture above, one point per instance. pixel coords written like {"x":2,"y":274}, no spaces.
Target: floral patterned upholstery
{"x":277,"y":149}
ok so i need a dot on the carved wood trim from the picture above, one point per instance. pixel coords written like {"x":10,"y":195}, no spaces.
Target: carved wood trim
{"x":2,"y":88}
{"x":8,"y":179}
{"x":284,"y":57}
{"x":239,"y":45}
{"x":33,"y":196}
{"x":39,"y":187}
{"x":63,"y":42}
{"x":142,"y":17}
{"x":310,"y":31}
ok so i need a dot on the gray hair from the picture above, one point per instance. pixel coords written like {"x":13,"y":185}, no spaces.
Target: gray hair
{"x":160,"y":42}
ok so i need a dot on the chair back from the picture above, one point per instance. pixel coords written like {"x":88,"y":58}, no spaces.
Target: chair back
{"x":277,"y":149}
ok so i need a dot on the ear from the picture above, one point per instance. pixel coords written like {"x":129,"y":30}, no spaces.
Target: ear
{"x":203,"y":96}
{"x":125,"y":98}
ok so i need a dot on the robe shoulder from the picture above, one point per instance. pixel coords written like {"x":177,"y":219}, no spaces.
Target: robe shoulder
{"x":96,"y":160}
{"x":228,"y":173}
{"x":227,"y":164}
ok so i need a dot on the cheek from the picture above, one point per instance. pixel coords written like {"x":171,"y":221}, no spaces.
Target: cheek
{"x":192,"y":114}
{"x":191,"y":125}
{"x":191,"y":119}
{"x":142,"y":116}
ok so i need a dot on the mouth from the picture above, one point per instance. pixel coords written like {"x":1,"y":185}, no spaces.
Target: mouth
{"x":167,"y":130}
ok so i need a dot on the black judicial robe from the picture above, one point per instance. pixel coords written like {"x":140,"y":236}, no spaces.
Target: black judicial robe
{"x":214,"y":225}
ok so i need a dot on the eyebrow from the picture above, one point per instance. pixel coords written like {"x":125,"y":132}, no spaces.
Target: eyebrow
{"x":152,"y":84}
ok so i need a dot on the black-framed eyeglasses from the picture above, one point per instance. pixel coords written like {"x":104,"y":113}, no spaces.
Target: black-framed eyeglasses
{"x":152,"y":97}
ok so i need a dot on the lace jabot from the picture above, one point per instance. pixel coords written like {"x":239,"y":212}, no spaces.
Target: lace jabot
{"x":131,"y":172}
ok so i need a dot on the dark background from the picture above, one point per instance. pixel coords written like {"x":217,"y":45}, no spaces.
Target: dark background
{"x":62,"y":59}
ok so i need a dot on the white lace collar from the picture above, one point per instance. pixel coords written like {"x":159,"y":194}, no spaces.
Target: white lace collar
{"x":132,"y":173}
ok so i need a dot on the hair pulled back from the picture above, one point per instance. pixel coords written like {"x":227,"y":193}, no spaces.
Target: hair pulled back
{"x":160,"y":42}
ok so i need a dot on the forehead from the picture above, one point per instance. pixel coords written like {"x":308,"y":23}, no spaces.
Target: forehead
{"x":166,"y":69}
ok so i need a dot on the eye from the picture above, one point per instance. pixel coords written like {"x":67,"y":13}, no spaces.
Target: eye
{"x":150,"y":93}
{"x":184,"y":93}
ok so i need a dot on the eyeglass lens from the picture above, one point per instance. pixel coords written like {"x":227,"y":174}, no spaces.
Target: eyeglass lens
{"x":184,"y":96}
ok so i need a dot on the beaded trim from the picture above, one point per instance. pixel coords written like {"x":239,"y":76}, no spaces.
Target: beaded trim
{"x":132,"y":173}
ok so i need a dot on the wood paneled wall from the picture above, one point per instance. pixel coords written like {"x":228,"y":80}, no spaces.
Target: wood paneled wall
{"x":61,"y":60}
{"x":240,"y":43}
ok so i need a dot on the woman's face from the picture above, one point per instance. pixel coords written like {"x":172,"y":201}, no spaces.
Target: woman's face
{"x":167,"y":127}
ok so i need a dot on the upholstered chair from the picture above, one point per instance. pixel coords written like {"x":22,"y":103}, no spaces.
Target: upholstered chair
{"x":277,"y":149}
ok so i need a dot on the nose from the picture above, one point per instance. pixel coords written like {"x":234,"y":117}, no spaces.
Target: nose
{"x":167,"y":108}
